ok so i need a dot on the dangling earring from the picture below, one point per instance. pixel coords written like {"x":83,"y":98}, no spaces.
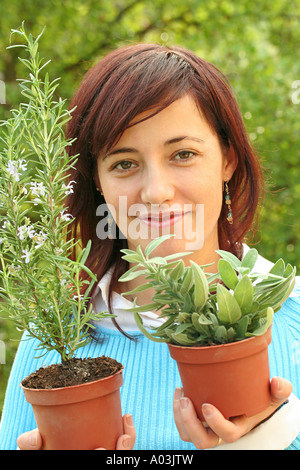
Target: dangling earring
{"x":99,"y":190}
{"x":228,"y":202}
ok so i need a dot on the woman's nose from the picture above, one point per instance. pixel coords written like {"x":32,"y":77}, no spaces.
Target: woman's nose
{"x":157,"y":187}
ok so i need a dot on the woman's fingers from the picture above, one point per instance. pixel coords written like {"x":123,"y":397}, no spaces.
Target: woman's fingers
{"x":281,"y":389}
{"x":30,"y":440}
{"x":127,"y":440}
{"x":218,"y":428}
{"x":177,"y":414}
{"x":189,"y":426}
{"x":124,"y":442}
{"x":228,"y":431}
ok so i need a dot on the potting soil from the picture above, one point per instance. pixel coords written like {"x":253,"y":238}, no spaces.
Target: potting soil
{"x":76,"y":371}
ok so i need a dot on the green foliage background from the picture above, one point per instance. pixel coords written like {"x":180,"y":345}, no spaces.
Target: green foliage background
{"x":256,"y":44}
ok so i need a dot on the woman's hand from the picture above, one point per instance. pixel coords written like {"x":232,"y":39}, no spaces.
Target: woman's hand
{"x":32,"y":440}
{"x":219,"y":429}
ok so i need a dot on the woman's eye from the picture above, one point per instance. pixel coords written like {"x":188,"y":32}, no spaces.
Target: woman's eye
{"x":123,"y":166}
{"x":184,"y":155}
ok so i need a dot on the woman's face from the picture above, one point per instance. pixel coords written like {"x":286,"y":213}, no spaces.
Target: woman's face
{"x":166,"y":175}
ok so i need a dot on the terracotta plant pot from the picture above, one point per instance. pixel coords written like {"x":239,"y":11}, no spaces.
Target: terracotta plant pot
{"x":234,"y":377}
{"x":80,"y":417}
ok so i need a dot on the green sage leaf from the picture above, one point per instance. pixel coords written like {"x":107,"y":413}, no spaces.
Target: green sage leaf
{"x":288,"y":270}
{"x":201,"y":286}
{"x":265,"y":324}
{"x":232,"y":259}
{"x":243,"y":293}
{"x":228,"y":309}
{"x":181,"y":328}
{"x":250,"y":259}
{"x":220,"y":334}
{"x":132,"y":258}
{"x":187,"y":282}
{"x":132,"y":274}
{"x":140,"y":288}
{"x":242,"y":326}
{"x":200,"y":326}
{"x":155,"y":243}
{"x":145,"y":332}
{"x":278,"y":268}
{"x":183,"y":339}
{"x":157,"y":260}
{"x":178,"y":271}
{"x":227,"y":273}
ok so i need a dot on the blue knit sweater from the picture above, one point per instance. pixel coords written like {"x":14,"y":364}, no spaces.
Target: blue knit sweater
{"x":150,"y":378}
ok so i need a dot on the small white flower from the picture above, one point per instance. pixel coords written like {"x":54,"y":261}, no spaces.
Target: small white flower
{"x":78,"y":298}
{"x":30,"y":231}
{"x":66,"y":217}
{"x":22,"y":165}
{"x":40,"y":238}
{"x":69,"y":188}
{"x":38,"y":189}
{"x":26,"y":255}
{"x":13,"y":170}
{"x":22,"y":232}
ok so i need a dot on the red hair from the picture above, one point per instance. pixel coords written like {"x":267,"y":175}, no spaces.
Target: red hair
{"x":118,"y":88}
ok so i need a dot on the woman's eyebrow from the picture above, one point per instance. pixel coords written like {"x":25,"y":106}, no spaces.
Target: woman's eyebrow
{"x":120,"y":150}
{"x":180,"y":138}
{"x":174,"y":140}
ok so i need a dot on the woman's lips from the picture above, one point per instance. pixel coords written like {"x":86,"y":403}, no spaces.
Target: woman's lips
{"x":164,"y":220}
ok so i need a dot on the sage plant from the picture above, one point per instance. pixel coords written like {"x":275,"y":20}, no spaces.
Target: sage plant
{"x":40,"y":284}
{"x":204,"y":309}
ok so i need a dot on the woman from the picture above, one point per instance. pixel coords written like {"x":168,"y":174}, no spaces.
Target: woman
{"x":160,"y":127}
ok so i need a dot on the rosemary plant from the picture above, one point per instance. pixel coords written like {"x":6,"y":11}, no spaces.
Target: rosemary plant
{"x":203,"y":309}
{"x":41,"y":287}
